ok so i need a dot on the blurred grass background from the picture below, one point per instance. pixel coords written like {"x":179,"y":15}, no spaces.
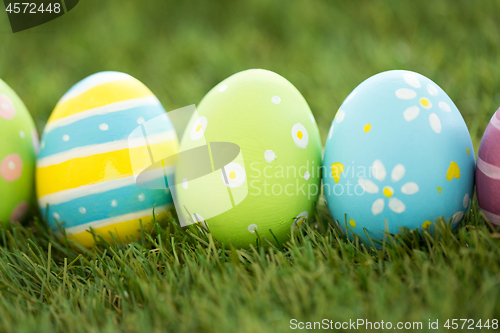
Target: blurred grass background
{"x":181,"y":49}
{"x":174,"y":279}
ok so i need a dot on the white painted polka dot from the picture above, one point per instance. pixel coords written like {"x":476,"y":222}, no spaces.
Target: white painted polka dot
{"x":185,"y":183}
{"x":21,"y":134}
{"x":269,"y":156}
{"x":82,"y":210}
{"x":405,"y":93}
{"x":276,"y":100}
{"x":11,"y":165}
{"x":312,"y":119}
{"x":252,"y":228}
{"x":56,"y":216}
{"x":222,"y":88}
{"x":411,"y":113}
{"x":114,"y":203}
{"x":435,"y":123}
{"x":411,"y":79}
{"x":103,"y":127}
{"x":340,"y":116}
{"x":307,"y":175}
{"x":432,"y":90}
{"x":444,"y":106}
{"x":140,"y":120}
{"x":65,"y":137}
{"x":466,"y":200}
{"x":410,"y":188}
{"x":141,"y":197}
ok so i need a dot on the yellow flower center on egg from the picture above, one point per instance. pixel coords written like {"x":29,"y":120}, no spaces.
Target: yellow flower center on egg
{"x":232,"y":175}
{"x":352,"y":223}
{"x":367,"y":128}
{"x":425,"y":102}
{"x":426,"y":224}
{"x":198,"y":128}
{"x":388,"y":191}
{"x":300,"y":134}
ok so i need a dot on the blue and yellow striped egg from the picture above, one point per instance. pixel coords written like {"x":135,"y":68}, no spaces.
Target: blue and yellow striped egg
{"x":86,"y":172}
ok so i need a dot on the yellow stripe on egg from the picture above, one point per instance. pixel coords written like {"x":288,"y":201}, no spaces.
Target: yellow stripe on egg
{"x":110,"y":166}
{"x":101,"y":95}
{"x":121,"y":227}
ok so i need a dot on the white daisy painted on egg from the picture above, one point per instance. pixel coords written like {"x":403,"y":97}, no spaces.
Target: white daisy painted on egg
{"x":424,"y":102}
{"x":301,"y":219}
{"x":198,"y":128}
{"x":379,"y":172}
{"x":300,"y":135}
{"x":233,"y":175}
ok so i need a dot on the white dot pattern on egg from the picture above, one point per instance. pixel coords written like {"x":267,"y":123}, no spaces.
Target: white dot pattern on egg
{"x":249,"y":189}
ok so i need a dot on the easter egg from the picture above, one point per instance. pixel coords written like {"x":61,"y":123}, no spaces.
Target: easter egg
{"x":398,"y":154}
{"x":488,"y":171}
{"x":18,"y":148}
{"x":263,"y":149}
{"x":85,"y":174}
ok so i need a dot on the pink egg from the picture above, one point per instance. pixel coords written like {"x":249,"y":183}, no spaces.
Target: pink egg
{"x":19,"y":212}
{"x":11,"y":167}
{"x":7,"y":110}
{"x":488,"y":171}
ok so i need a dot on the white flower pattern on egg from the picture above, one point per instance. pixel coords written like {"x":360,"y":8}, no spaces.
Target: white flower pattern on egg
{"x":412,"y":112}
{"x":380,"y":173}
{"x":301,"y":219}
{"x":198,"y":128}
{"x":300,"y":135}
{"x":233,"y":175}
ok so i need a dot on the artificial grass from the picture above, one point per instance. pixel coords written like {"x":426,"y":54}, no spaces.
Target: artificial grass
{"x":175,"y":279}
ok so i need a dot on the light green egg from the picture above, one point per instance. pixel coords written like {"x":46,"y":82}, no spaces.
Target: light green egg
{"x":272,"y":185}
{"x":18,"y":146}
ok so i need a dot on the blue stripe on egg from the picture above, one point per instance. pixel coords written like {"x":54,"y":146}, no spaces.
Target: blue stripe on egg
{"x":114,"y":203}
{"x":101,"y":129}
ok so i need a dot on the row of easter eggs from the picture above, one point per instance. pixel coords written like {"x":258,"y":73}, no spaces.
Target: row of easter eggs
{"x":398,"y":154}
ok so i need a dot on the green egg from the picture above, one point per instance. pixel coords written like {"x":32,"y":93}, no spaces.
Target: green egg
{"x":18,"y":146}
{"x":267,"y":187}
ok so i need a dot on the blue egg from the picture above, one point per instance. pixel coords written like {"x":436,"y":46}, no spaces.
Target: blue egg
{"x":398,"y":154}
